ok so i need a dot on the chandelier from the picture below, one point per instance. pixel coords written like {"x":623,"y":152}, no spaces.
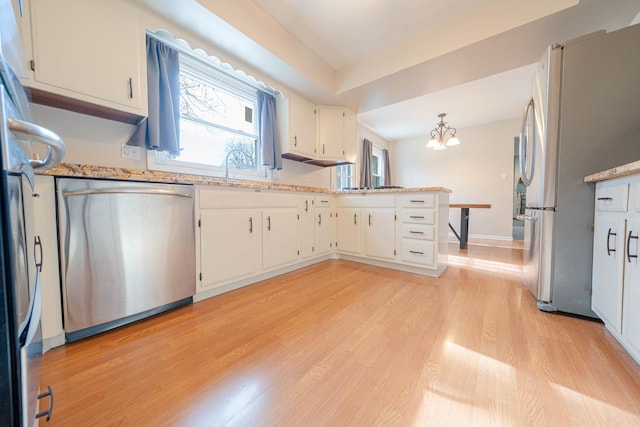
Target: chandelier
{"x":439,"y":133}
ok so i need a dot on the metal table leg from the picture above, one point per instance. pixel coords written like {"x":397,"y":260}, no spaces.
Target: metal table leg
{"x":464,"y":227}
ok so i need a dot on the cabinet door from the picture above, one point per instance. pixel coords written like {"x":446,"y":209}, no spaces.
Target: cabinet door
{"x":307,"y":228}
{"x":90,"y":48}
{"x":631,"y":308}
{"x":302,"y":126}
{"x":608,"y":257}
{"x":229,"y":245}
{"x":324,"y":234}
{"x":348,"y":230}
{"x":279,"y":237}
{"x":331,"y":132}
{"x":380,"y":233}
{"x":45,"y":226}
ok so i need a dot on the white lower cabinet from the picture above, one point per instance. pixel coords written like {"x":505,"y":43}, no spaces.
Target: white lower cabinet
{"x":324,"y":225}
{"x":45,"y":226}
{"x":380,"y":236}
{"x":307,"y":227}
{"x":246,"y":235}
{"x":230,"y":245}
{"x":279,"y":237}
{"x":608,"y":255}
{"x":631,"y":294}
{"x":348,"y":231}
{"x":616,"y":267}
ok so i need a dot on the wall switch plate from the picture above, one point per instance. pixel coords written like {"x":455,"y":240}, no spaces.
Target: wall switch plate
{"x":130,"y":152}
{"x":503,"y":176}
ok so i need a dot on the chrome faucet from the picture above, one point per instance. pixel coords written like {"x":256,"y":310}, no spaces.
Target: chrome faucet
{"x":226,"y":162}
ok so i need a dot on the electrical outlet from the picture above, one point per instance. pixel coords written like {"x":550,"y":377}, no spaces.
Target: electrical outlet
{"x":130,"y":152}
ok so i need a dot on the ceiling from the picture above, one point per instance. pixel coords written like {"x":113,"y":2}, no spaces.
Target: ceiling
{"x":399,"y":63}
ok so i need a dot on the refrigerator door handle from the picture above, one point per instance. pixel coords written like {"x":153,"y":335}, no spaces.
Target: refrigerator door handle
{"x":527,"y":164}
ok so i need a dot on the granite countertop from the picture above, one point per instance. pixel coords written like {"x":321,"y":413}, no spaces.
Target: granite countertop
{"x":617,"y":172}
{"x":105,"y":172}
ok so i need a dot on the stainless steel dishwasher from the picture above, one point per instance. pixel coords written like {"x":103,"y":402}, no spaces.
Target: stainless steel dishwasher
{"x":127,"y":251}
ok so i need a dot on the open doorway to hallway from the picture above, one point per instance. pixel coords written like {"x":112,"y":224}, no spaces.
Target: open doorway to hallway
{"x":519,"y":194}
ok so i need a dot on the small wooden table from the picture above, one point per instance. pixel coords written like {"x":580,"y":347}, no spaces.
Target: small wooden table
{"x":464,"y":220}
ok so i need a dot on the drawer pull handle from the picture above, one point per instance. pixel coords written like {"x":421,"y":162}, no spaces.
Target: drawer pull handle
{"x":416,"y":232}
{"x":49,"y":410}
{"x":609,"y":249}
{"x":355,"y":219}
{"x":606,"y":199}
{"x":416,"y":201}
{"x":629,"y":256}
{"x":416,"y":252}
{"x":250,"y":225}
{"x":416,"y":217}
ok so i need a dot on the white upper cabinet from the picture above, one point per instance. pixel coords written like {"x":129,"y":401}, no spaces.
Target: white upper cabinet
{"x":88,"y":50}
{"x":297,"y":127}
{"x":331,"y":132}
{"x":320,"y":135}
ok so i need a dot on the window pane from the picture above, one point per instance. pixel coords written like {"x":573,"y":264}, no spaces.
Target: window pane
{"x":374,"y":165}
{"x":208,"y":145}
{"x":203,"y":101}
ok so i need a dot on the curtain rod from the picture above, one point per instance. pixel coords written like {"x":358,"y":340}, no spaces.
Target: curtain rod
{"x":209,"y":60}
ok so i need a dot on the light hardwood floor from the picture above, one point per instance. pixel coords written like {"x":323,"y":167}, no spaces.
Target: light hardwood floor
{"x":346,"y":344}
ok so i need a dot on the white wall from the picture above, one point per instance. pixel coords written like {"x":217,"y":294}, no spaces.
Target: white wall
{"x":473,"y":171}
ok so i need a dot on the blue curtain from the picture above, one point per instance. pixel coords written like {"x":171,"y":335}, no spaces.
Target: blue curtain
{"x":161,"y":129}
{"x":365,"y":164}
{"x":268,"y":131}
{"x":386,"y":164}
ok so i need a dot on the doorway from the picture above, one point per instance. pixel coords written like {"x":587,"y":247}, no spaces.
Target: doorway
{"x":519,"y":194}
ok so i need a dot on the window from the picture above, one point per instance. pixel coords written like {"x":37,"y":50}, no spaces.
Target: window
{"x":217,"y":119}
{"x":377,"y":172}
{"x":344,"y":177}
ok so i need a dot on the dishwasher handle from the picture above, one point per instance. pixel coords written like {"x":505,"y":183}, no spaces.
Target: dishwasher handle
{"x":155,"y":192}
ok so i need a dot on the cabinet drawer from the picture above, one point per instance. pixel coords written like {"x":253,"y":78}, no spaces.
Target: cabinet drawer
{"x":418,"y":200}
{"x":418,"y":252}
{"x":418,"y":231}
{"x":612,"y":197}
{"x":418,"y":216}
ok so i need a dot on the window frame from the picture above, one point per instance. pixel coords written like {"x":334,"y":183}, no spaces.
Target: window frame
{"x":376,"y":152}
{"x":208,"y":74}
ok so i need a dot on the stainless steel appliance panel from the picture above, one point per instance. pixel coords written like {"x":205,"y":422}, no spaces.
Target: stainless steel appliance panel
{"x":127,"y":247}
{"x":599,"y":128}
{"x":591,"y":119}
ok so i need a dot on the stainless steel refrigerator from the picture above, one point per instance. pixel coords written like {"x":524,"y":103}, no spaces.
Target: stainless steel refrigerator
{"x":583,"y":117}
{"x":21,"y":250}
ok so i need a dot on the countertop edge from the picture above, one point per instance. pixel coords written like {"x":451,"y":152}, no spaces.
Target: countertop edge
{"x":613,"y":173}
{"x":75,"y":170}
